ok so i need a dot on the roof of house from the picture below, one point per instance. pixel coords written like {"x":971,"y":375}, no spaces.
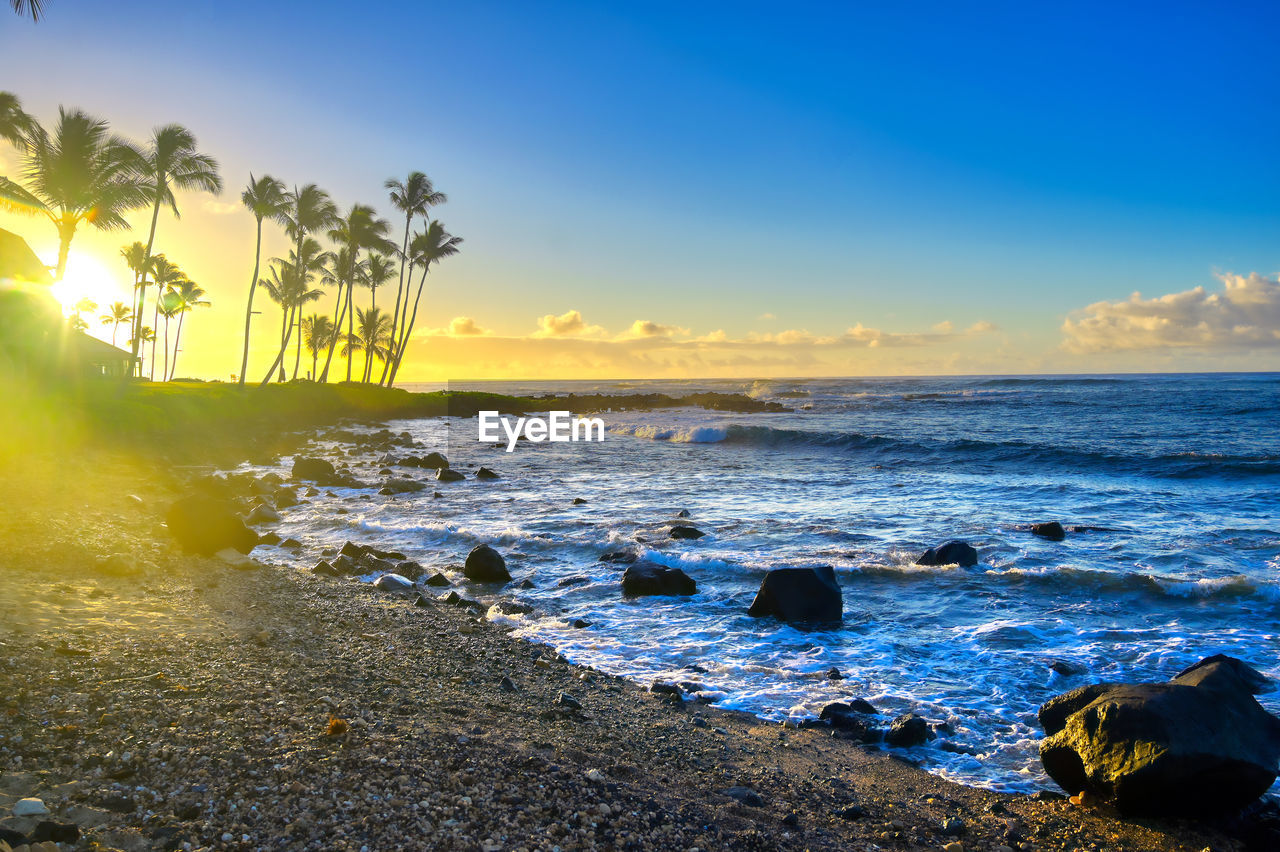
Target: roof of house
{"x":18,"y":262}
{"x":94,"y":351}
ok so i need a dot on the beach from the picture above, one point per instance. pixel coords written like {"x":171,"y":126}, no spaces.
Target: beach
{"x":162,"y":700}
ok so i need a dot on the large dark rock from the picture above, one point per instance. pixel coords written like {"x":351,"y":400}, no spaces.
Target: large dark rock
{"x":907,"y":730}
{"x":1051,"y":530}
{"x":650,"y":578}
{"x":950,"y":553}
{"x":205,"y":525}
{"x":448,"y":474}
{"x":486,"y":565}
{"x":799,"y":595}
{"x":433,"y":460}
{"x":402,"y":486}
{"x":854,"y":719}
{"x":1200,"y":744}
{"x":684,"y":531}
{"x":315,"y":470}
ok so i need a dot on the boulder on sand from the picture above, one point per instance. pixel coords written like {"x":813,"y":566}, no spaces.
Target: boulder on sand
{"x":799,"y":595}
{"x":205,"y":525}
{"x":1199,"y":744}
{"x":907,"y":730}
{"x":393,"y":583}
{"x":650,"y":578}
{"x":951,"y":553}
{"x":485,"y":565}
{"x":314,"y":470}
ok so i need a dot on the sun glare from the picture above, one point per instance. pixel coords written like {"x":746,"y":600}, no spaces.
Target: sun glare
{"x":88,"y":278}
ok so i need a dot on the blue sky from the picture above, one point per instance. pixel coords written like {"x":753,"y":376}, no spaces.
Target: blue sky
{"x":703,"y":166}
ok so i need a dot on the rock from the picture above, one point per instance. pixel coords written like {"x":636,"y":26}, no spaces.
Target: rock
{"x":683,"y":513}
{"x":485,"y":473}
{"x":579,"y":624}
{"x":433,"y":460}
{"x":269,"y":539}
{"x":950,"y":553}
{"x":486,"y":565}
{"x":953,"y":846}
{"x":291,"y":543}
{"x":791,"y":820}
{"x":1199,"y":744}
{"x":325,"y":569}
{"x":235,"y":558}
{"x":371,"y":564}
{"x":667,"y":690}
{"x":578,"y":501}
{"x":619,"y":557}
{"x":284,"y":498}
{"x":49,"y":831}
{"x":409,"y":568}
{"x":262,"y":514}
{"x":507,"y":685}
{"x":353,"y":550}
{"x":564,"y":699}
{"x":446,"y":474}
{"x":745,"y":796}
{"x":393,"y":583}
{"x":1066,"y":669}
{"x":438,"y":580}
{"x":650,"y":578}
{"x":206,"y":525}
{"x":851,"y":720}
{"x":799,"y":595}
{"x":834,"y":673}
{"x":907,"y":730}
{"x":402,"y":486}
{"x":850,"y":812}
{"x":314,"y":470}
{"x":31,"y":807}
{"x":953,"y":827}
{"x":684,"y":531}
{"x":1051,"y":530}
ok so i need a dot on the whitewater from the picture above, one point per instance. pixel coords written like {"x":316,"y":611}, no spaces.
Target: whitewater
{"x":1168,"y":485}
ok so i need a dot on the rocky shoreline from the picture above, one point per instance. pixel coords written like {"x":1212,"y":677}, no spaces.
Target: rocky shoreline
{"x":159,"y":700}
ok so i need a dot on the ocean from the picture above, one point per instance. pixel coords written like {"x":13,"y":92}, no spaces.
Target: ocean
{"x":1174,"y":481}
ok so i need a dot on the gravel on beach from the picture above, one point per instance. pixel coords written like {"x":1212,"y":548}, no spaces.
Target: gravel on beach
{"x":163,"y":701}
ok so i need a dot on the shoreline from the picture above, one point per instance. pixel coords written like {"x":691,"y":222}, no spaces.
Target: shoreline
{"x":237,"y":718}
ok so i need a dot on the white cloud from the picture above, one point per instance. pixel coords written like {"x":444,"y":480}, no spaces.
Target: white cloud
{"x":568,"y":324}
{"x":221,"y":208}
{"x":943,"y":327}
{"x":1245,"y":313}
{"x":982,"y":327}
{"x":465,"y":327}
{"x":645,"y":328}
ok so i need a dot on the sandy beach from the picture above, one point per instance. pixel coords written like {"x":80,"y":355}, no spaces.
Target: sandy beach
{"x":157,"y":700}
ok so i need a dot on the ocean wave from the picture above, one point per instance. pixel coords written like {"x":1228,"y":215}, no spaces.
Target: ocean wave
{"x":1067,"y":577}
{"x":966,"y":451}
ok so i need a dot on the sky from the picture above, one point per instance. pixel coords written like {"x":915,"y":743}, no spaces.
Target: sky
{"x":721,"y":189}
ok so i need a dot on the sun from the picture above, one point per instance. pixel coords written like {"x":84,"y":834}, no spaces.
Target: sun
{"x":86,"y":277}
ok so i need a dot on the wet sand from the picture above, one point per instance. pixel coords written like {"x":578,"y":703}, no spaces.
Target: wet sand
{"x":164,"y":701}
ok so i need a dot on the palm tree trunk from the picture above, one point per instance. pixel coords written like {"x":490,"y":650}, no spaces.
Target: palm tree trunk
{"x":351,"y":309}
{"x":248,"y":311}
{"x":177,"y":339}
{"x":408,"y":329}
{"x":142,"y":292}
{"x":395,"y":317}
{"x":284,"y":345}
{"x":333,"y":339}
{"x":165,"y":371}
{"x":297,"y":358}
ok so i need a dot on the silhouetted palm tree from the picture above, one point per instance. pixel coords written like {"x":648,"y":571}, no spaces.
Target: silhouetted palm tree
{"x":290,"y":286}
{"x":266,"y":198}
{"x":170,"y":162}
{"x":14,"y":123}
{"x":358,"y":231}
{"x":373,"y":337}
{"x":167,"y":276}
{"x":307,"y":210}
{"x":34,"y":8}
{"x":118,"y":313}
{"x":78,"y":174}
{"x":428,"y":247}
{"x":317,"y":332}
{"x":412,"y":197}
{"x":167,"y":306}
{"x":190,"y":296}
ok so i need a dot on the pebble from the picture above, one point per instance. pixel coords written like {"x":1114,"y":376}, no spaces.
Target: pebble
{"x":953,"y":846}
{"x":595,"y":775}
{"x":29,"y":807}
{"x":564,"y":699}
{"x":953,"y":826}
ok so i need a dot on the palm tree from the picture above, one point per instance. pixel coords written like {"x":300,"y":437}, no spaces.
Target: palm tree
{"x":266,"y":198}
{"x":171,"y":162}
{"x":167,"y":305}
{"x":413,"y":197}
{"x":167,"y":276}
{"x":307,"y":210}
{"x":34,"y":8}
{"x":78,"y":174}
{"x":376,"y":271}
{"x":290,"y":287}
{"x":145,"y":335}
{"x":428,"y":247}
{"x":14,"y":123}
{"x":118,"y":313}
{"x":358,"y":231}
{"x":373,"y":337}
{"x":317,"y":331}
{"x":190,"y":296}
